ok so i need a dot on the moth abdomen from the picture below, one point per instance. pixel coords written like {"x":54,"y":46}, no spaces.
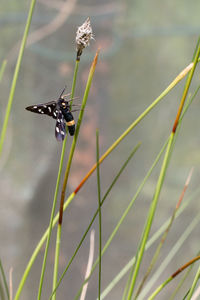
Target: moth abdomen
{"x":69,"y":121}
{"x":71,"y":127}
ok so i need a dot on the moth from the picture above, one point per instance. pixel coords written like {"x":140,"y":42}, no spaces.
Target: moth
{"x":60,"y":110}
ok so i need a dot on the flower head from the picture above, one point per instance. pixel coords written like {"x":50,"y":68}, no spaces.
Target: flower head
{"x":83,"y":36}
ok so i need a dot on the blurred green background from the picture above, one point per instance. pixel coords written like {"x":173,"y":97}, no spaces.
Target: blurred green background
{"x":144,"y":45}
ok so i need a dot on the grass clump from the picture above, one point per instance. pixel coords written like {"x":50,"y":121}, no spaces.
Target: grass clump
{"x":133,"y":267}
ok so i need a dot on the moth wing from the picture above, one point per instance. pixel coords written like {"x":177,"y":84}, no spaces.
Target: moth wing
{"x":48,"y":109}
{"x":60,"y":129}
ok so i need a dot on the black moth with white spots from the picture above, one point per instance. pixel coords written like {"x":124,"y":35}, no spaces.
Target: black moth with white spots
{"x":59,"y":110}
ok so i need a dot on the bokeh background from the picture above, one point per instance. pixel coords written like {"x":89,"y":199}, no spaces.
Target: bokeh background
{"x":144,"y":45}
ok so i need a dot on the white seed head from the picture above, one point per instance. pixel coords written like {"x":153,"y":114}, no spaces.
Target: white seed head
{"x":83,"y":36}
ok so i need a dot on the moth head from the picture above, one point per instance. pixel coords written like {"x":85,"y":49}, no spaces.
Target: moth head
{"x":63,"y":104}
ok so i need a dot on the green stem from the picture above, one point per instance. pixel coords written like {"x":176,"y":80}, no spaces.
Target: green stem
{"x":189,"y":296}
{"x":157,"y":291}
{"x":75,"y":78}
{"x":37,"y":250}
{"x":16,"y":73}
{"x":156,"y":255}
{"x":51,"y":220}
{"x":2,"y":295}
{"x":161,"y":243}
{"x":128,"y":282}
{"x":2,"y":69}
{"x":56,"y":192}
{"x":85,"y":97}
{"x":187,"y":84}
{"x":150,"y":217}
{"x":4,"y":280}
{"x":99,"y":208}
{"x":180,"y":284}
{"x":56,"y":261}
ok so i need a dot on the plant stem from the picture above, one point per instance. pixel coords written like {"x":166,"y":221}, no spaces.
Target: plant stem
{"x":75,"y":78}
{"x":2,"y":69}
{"x":58,"y":239}
{"x":4,"y":279}
{"x":99,"y":208}
{"x":159,"y":289}
{"x":51,"y":220}
{"x":180,"y":284}
{"x":163,"y":238}
{"x":188,"y":82}
{"x":16,"y":73}
{"x":2,"y":295}
{"x":57,"y":252}
{"x":87,"y":89}
{"x":37,"y":250}
{"x":56,"y":191}
{"x":150,"y":217}
{"x":181,"y":269}
{"x":194,"y":284}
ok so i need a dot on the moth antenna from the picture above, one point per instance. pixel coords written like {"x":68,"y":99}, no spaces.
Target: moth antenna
{"x":63,"y":91}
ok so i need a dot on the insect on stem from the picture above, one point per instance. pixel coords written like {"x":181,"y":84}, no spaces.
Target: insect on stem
{"x":60,"y":110}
